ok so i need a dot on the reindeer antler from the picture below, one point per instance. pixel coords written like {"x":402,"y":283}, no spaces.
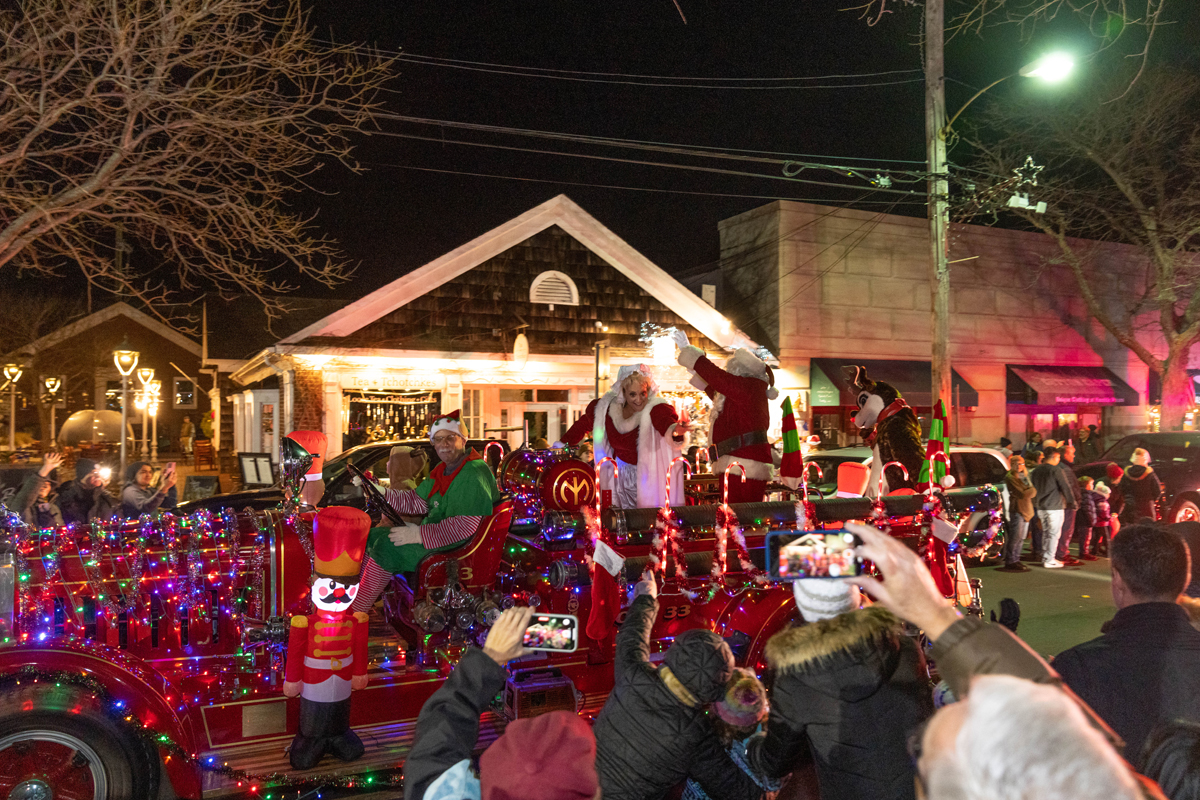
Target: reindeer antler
{"x":857,"y":377}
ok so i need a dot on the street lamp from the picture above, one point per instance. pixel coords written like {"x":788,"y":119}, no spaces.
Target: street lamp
{"x":12,"y":373}
{"x":153,"y":389}
{"x":1051,"y":68}
{"x":52,"y":385}
{"x":126,"y":361}
{"x":145,"y":375}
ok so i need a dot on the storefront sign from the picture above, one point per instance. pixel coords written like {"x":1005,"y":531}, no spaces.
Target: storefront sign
{"x":395,"y":382}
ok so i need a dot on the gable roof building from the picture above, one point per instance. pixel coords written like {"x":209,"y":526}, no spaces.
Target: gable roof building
{"x":517,"y":326}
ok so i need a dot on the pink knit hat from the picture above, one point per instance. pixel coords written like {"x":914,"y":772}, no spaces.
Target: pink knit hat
{"x":745,"y":702}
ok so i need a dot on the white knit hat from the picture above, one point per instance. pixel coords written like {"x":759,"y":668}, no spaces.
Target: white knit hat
{"x":1102,"y":488}
{"x":822,"y":598}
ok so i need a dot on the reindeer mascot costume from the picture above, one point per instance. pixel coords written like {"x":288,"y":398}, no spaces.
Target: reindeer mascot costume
{"x":890,"y":429}
{"x":741,"y":395}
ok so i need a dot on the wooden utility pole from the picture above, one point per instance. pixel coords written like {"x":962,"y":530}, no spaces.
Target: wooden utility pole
{"x":939,"y":198}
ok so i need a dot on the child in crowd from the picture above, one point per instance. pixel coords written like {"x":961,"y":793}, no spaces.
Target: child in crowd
{"x":736,"y":717}
{"x":1085,"y":518}
{"x":1102,"y":530}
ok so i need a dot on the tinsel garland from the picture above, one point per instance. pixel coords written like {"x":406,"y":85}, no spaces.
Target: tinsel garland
{"x":116,"y":710}
{"x":666,"y":541}
{"x":728,"y":527}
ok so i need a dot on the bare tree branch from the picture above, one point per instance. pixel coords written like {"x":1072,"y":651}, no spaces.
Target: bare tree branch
{"x":187,"y":124}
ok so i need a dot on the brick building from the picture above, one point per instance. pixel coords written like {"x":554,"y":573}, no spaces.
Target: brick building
{"x":824,"y":286}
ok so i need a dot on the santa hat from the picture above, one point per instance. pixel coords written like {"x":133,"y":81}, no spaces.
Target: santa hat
{"x":315,"y":443}
{"x":339,"y":541}
{"x":547,"y":757}
{"x":449,"y":422}
{"x":748,"y":365}
{"x":822,"y":598}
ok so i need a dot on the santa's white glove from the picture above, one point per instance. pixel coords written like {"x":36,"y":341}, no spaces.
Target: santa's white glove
{"x":405,"y":534}
{"x":558,"y":445}
{"x":680,"y":338}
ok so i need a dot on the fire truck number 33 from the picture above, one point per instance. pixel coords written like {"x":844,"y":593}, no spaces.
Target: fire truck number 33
{"x":668,"y":613}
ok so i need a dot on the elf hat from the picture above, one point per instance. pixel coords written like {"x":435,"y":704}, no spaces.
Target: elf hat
{"x":747,"y":365}
{"x":315,"y":443}
{"x":821,"y":598}
{"x":547,"y":757}
{"x":451,"y":422}
{"x":339,"y":541}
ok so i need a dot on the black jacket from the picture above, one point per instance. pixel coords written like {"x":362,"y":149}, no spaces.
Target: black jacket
{"x":1053,"y":488}
{"x":1142,"y":491}
{"x":647,"y":738}
{"x":847,"y":692}
{"x":82,"y":504}
{"x":1143,"y":671}
{"x":33,"y":511}
{"x":448,"y":725}
{"x":1088,"y":512}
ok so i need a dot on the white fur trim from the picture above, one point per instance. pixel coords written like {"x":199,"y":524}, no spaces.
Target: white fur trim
{"x":746,"y":364}
{"x":634,"y":369}
{"x":624,"y":424}
{"x":755,"y":470}
{"x":688,"y":356}
{"x":313,"y":476}
{"x":447,"y":424}
{"x":698,"y":382}
{"x":772,"y":393}
{"x":655,"y":452}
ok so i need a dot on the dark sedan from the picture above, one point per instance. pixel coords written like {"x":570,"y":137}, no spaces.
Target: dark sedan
{"x":339,"y":484}
{"x":1176,"y":459}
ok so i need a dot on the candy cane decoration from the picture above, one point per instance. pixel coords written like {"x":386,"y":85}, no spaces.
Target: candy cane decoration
{"x":944,"y":457}
{"x":599,"y":467}
{"x":687,"y":467}
{"x":725,"y":489}
{"x":489,"y":446}
{"x":804,"y":476}
{"x":903,"y":469}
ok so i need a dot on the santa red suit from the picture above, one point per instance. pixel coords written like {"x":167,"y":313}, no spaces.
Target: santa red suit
{"x":327,"y":650}
{"x":741,"y":413}
{"x":644,"y":445}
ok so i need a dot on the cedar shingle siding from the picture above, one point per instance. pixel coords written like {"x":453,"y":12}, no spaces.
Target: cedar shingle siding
{"x":465,"y":314}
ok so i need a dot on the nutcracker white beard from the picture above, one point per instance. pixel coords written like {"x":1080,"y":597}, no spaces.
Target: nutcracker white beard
{"x":329,"y":594}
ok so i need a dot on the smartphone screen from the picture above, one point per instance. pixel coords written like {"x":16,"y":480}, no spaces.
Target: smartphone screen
{"x":793,"y":555}
{"x":556,"y":633}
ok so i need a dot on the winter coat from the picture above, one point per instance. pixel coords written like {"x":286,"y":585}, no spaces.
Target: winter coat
{"x":1053,"y":488}
{"x":1085,"y":519}
{"x":137,"y":500}
{"x":653,"y":732}
{"x":1144,"y":670}
{"x":40,"y":514}
{"x":1087,"y":451}
{"x":82,"y":504}
{"x":1116,"y":500}
{"x":1021,"y":493}
{"x":1073,"y":482}
{"x":1142,"y":490}
{"x":1103,"y":512}
{"x":847,"y":691}
{"x":447,"y":728}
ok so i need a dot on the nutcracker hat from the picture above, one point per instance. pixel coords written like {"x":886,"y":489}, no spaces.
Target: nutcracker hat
{"x":747,"y":365}
{"x":315,"y":443}
{"x":449,"y":422}
{"x":852,"y":479}
{"x":339,"y":541}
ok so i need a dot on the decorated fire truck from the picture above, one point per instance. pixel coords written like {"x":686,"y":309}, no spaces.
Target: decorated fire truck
{"x":145,"y":659}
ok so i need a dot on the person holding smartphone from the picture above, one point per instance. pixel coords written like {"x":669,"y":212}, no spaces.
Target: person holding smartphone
{"x":139,"y":496}
{"x":85,"y":499}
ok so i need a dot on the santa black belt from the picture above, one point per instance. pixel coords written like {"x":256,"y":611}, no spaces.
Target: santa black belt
{"x":727,"y":446}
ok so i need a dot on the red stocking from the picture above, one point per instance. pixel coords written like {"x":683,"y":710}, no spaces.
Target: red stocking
{"x":606,"y":604}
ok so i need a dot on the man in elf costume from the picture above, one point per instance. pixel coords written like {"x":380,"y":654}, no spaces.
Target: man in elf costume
{"x":458,"y":494}
{"x":327,"y":650}
{"x":741,"y":395}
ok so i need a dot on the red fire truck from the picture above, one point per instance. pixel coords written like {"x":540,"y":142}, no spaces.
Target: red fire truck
{"x":144,"y":659}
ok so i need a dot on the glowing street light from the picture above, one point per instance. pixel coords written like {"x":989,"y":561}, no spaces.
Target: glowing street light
{"x":145,"y":375}
{"x":52,"y":385}
{"x":12,"y":374}
{"x":126,"y":361}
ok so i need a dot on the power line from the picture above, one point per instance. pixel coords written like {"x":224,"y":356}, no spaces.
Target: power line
{"x":384,"y":165}
{"x":664,"y":164}
{"x":699,"y":151}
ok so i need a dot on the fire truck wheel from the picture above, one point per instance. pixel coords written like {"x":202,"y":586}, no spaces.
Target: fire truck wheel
{"x":55,"y":741}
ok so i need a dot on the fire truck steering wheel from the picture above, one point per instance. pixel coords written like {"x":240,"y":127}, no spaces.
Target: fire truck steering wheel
{"x":375,"y":498}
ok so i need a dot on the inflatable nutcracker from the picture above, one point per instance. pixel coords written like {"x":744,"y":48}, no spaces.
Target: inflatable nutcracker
{"x":327,"y":650}
{"x":741,"y":395}
{"x":315,"y":443}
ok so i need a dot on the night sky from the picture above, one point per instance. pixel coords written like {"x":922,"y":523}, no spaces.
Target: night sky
{"x":394,"y":218}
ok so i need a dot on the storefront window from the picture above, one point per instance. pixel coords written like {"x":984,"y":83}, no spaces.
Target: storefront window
{"x":554,"y":395}
{"x":516,"y":395}
{"x":379,"y":416}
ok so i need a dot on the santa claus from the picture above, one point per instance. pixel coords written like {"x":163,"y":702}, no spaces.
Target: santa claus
{"x":741,"y":395}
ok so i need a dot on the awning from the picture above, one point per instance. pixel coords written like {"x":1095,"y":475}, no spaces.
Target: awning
{"x":913,"y":379}
{"x":1155,"y":389}
{"x":1039,"y":385}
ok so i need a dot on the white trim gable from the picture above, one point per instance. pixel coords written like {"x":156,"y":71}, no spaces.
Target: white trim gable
{"x":569,"y":216}
{"x":105,"y":315}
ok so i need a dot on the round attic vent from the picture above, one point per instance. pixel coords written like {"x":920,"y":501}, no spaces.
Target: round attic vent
{"x":554,"y":289}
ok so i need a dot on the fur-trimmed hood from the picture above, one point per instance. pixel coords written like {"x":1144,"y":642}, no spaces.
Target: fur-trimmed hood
{"x":849,"y":656}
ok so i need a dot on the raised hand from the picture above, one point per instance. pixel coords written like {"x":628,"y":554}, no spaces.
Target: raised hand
{"x":504,"y":640}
